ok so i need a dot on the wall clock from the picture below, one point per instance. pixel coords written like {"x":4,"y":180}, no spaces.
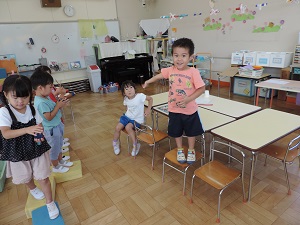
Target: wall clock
{"x":55,"y":38}
{"x":69,"y":10}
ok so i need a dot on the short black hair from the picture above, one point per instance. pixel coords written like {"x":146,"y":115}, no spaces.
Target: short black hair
{"x":44,"y":68}
{"x":184,"y":43}
{"x":19,"y":84}
{"x":40,"y":77}
{"x":125,"y":84}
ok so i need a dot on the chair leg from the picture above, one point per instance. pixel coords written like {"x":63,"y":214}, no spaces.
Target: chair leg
{"x":287,"y":178}
{"x":128,"y":148}
{"x":219,"y":206}
{"x":192,"y":186}
{"x":184,"y":181}
{"x":163,"y":171}
{"x":265,"y":161}
{"x":153,"y":154}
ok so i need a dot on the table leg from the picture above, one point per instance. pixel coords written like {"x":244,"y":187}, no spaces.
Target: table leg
{"x":257,"y":96}
{"x":218,"y":85}
{"x":271,"y":100}
{"x":229,"y":86}
{"x":251,"y":175}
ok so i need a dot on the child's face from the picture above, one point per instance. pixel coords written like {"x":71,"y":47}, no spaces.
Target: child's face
{"x":181,"y":58}
{"x":19,"y":103}
{"x":45,"y":91}
{"x":129,"y":91}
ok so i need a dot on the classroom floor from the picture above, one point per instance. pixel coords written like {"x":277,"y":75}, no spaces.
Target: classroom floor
{"x":123,"y":190}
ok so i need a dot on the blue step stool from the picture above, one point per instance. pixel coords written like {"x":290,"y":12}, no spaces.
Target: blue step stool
{"x":40,"y":217}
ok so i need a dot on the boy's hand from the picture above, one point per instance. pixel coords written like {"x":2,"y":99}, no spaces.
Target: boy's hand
{"x":145,"y":84}
{"x":62,"y":102}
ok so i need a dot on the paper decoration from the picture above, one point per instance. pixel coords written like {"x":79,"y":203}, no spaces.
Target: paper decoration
{"x":259,"y":6}
{"x":269,"y":27}
{"x":213,"y":11}
{"x":242,"y":8}
{"x":174,"y":16}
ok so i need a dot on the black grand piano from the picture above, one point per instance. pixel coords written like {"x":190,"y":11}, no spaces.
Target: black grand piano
{"x":118,"y":69}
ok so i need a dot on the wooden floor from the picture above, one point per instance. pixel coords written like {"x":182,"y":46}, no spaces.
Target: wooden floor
{"x":123,"y":190}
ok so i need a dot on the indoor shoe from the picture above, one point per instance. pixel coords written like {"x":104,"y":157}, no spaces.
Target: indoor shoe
{"x":135,"y":149}
{"x":64,"y":150}
{"x":66,"y":157}
{"x":116,"y":147}
{"x":60,"y":169}
{"x":191,"y":156}
{"x":37,"y":193}
{"x":66,"y":140}
{"x":180,"y":156}
{"x":52,"y":210}
{"x":66,"y":144}
{"x":65,"y":163}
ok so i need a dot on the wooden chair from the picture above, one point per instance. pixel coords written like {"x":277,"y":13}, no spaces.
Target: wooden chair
{"x":285,"y":151}
{"x":219,"y":175}
{"x":150,"y":136}
{"x":128,"y":146}
{"x":170,"y":160}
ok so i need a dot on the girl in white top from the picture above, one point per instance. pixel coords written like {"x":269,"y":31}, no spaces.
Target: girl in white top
{"x":21,"y":142}
{"x":134,"y":112}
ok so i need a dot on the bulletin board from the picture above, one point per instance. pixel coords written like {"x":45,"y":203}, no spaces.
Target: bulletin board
{"x":69,"y":48}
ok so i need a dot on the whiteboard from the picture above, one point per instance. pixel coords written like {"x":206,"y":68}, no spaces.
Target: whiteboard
{"x":70,"y":48}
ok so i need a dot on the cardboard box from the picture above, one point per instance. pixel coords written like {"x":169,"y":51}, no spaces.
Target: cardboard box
{"x":237,"y":58}
{"x":281,"y":59}
{"x":263,"y":58}
{"x":243,"y":86}
{"x":249,"y":58}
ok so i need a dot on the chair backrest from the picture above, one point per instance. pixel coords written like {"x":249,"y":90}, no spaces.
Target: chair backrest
{"x":236,"y":151}
{"x":293,"y":145}
{"x":144,"y":132}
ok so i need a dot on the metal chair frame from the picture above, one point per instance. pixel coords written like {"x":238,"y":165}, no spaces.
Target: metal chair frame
{"x":145,"y":133}
{"x":222,"y":188}
{"x":184,"y":166}
{"x":293,"y":145}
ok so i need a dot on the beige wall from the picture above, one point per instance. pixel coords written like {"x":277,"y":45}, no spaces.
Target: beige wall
{"x":130,"y":12}
{"x":16,"y":11}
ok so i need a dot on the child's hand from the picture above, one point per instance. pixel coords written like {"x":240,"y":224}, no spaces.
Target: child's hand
{"x":182,"y":103}
{"x":33,"y":130}
{"x":62,"y":102}
{"x":145,"y":84}
{"x":147,"y":112}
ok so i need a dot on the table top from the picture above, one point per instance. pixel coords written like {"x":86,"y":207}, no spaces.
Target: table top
{"x":227,"y":107}
{"x":209,"y":119}
{"x":158,"y":99}
{"x":279,"y":84}
{"x":254,"y":77}
{"x":259,"y":129}
{"x":230,"y":72}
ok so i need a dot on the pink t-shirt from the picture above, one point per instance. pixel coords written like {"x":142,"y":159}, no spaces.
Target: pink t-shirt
{"x":182,"y":83}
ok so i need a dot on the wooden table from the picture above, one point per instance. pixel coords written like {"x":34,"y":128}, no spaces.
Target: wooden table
{"x":255,"y":131}
{"x":230,"y":72}
{"x":227,"y":107}
{"x":159,"y":99}
{"x":209,"y":119}
{"x":256,"y":79}
{"x":277,"y":84}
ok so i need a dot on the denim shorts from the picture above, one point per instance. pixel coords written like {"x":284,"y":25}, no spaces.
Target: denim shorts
{"x":55,"y":138}
{"x":126,"y":120}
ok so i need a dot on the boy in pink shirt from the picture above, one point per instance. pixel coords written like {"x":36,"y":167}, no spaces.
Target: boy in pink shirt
{"x":185,"y":85}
